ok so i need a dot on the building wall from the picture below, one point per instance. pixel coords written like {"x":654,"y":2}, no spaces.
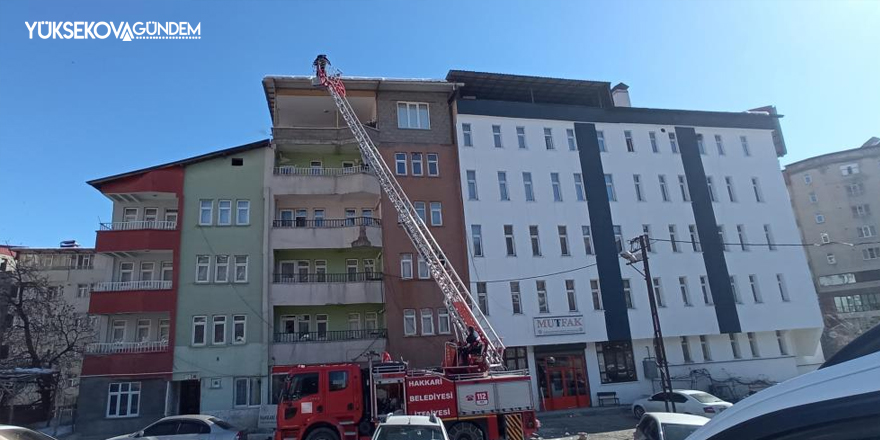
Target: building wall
{"x":91,"y":418}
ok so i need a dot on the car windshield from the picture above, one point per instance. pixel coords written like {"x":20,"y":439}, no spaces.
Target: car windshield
{"x":705,"y":398}
{"x":22,"y":434}
{"x":674,"y":431}
{"x":409,"y":432}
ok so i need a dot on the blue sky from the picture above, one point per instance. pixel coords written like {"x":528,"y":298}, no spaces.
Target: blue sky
{"x":74,"y":110}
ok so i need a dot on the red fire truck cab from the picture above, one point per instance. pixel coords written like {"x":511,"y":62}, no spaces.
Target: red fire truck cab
{"x":345,"y":401}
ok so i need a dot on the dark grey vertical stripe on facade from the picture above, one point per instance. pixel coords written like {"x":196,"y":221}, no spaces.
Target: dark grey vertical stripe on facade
{"x":707,"y":228}
{"x":604,"y":245}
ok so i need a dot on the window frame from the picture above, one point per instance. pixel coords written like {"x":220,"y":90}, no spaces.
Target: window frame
{"x":406,"y":260}
{"x":541,"y":295}
{"x":400,"y":159}
{"x":199,"y":321}
{"x":438,"y":220}
{"x":433,"y":161}
{"x":203,"y":210}
{"x":418,"y":108}
{"x":236,"y":321}
{"x":426,"y":313}
{"x":206,"y":265}
{"x":132,"y":396}
{"x":413,"y":161}
{"x":218,"y":320}
{"x":548,"y":139}
{"x":410,"y":314}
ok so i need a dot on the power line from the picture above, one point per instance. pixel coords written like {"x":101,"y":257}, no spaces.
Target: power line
{"x":773,"y":244}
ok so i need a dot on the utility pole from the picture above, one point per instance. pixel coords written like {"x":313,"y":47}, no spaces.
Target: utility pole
{"x":659,"y":347}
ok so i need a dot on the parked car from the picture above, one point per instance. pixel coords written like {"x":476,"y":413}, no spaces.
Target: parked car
{"x":404,"y":427}
{"x":840,"y":400}
{"x":8,"y":432}
{"x":189,"y":427}
{"x":667,"y":426}
{"x":694,"y":402}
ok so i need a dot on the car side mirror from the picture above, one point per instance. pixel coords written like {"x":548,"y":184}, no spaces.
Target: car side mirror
{"x":138,"y":434}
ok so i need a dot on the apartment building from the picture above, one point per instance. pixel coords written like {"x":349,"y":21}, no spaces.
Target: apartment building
{"x":558,"y":175}
{"x":833,"y":196}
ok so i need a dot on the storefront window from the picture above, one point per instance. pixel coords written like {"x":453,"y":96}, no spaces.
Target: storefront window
{"x":515,"y":358}
{"x":616,"y":362}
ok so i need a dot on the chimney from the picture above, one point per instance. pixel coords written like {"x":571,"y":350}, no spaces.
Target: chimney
{"x":620,"y":95}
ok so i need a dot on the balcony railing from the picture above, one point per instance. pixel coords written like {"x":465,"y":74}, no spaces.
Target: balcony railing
{"x":133,"y":226}
{"x":127,"y":347}
{"x":352,"y":277}
{"x":74,"y":267}
{"x":308,"y":171}
{"x":327,"y":222}
{"x":120,"y":286}
{"x":330,"y":336}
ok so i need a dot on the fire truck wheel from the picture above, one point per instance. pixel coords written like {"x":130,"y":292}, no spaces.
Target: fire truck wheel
{"x":466,"y":431}
{"x":322,"y":434}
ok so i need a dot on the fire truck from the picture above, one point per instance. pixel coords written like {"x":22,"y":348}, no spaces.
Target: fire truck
{"x":472,"y":393}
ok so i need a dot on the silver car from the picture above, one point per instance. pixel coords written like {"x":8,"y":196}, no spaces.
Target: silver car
{"x":8,"y":432}
{"x":189,"y":427}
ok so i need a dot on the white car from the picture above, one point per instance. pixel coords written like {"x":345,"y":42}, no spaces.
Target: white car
{"x":694,"y":402}
{"x":411,"y":428}
{"x":667,"y":426}
{"x":189,"y":427}
{"x":9,"y":432}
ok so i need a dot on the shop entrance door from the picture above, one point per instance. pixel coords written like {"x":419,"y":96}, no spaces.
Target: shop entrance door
{"x":565,"y":383}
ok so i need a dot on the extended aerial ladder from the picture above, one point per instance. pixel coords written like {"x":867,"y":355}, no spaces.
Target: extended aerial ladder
{"x":455,"y":292}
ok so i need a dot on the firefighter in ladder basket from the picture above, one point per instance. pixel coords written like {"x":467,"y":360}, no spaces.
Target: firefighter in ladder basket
{"x":472,"y":347}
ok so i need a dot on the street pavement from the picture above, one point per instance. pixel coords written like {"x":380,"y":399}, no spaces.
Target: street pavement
{"x":597,"y":423}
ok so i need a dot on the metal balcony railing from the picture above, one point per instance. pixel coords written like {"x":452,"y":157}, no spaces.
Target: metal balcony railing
{"x":327,"y":222}
{"x":161,"y":225}
{"x":330,"y":336}
{"x":308,"y":171}
{"x":120,"y":286}
{"x":127,"y":347}
{"x":351,"y":277}
{"x":73,"y":267}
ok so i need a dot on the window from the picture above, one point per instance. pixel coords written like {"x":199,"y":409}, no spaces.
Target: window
{"x":768,"y":234}
{"x":596,"y":294}
{"x":536,"y":242}
{"x":871,"y":253}
{"x":866,"y":231}
{"x":131,"y":214}
{"x":166,"y":273}
{"x":757,"y":189}
{"x":424,"y":273}
{"x":82,"y":290}
{"x":783,"y":291}
{"x":338,"y":380}
{"x":831,"y":258}
{"x":849,"y":169}
{"x":502,"y":186}
{"x":720,"y":144}
{"x":572,"y":298}
{"x":704,"y":347}
{"x":579,"y":187}
{"x":734,"y":346}
{"x":588,"y":242}
{"x":241,"y":269}
{"x":731,"y":194}
{"x":515,"y":298}
{"x":409,"y":322}
{"x":496,"y":135}
{"x":783,"y":346}
{"x":820,"y":219}
{"x":652,"y":136}
{"x":433,"y":165}
{"x":117,"y":331}
{"x":627,"y":294}
{"x":239,"y":329}
{"x":756,"y":290}
{"x":753,"y":344}
{"x":541,"y":287}
{"x":618,"y":237}
{"x":509,"y":241}
{"x":421,"y":211}
{"x":711,"y":186}
{"x":808,"y":179}
{"x":700,"y":145}
{"x":637,"y":182}
{"x":482,"y":298}
{"x":206,"y":212}
{"x":744,"y":141}
{"x":673,"y":143}
{"x":521,"y":137}
{"x":406,"y":266}
{"x":471,"y":184}
{"x":600,"y":136}
{"x":860,"y":211}
{"x":515,"y":358}
{"x":563,"y":240}
{"x":142,"y":330}
{"x":124,"y":399}
{"x":609,"y":188}
{"x":683,"y":186}
{"x":219,"y":330}
{"x":477,"y":240}
{"x":443,"y":327}
{"x":400,"y":164}
{"x":203,"y":263}
{"x":813,"y":198}
{"x":527,"y":185}
{"x":151,"y":215}
{"x":548,"y":138}
{"x":646,"y":230}
{"x":413,"y":115}
{"x":436,"y":214}
{"x":572,"y":144}
{"x":695,"y":239}
{"x":658,"y":293}
{"x":630,"y":146}
{"x":199,"y":331}
{"x":467,"y":135}
{"x":685,"y":294}
{"x":855,"y":189}
{"x":221,"y":268}
{"x":704,"y":288}
{"x":427,"y":316}
{"x":723,"y":237}
{"x":247,"y":391}
{"x":686,"y":350}
{"x":734,"y":288}
{"x":616,"y":362}
{"x":164,"y":329}
{"x":351,"y":268}
{"x":743,"y":241}
{"x":416,"y":164}
{"x":673,"y":239}
{"x":557,"y":190}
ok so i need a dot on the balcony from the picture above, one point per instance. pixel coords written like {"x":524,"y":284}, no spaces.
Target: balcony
{"x":156,"y":361}
{"x":326,"y":233}
{"x":323,"y":181}
{"x":298,"y":136}
{"x":132,"y":297}
{"x":127,"y":347}
{"x":139,"y":225}
{"x":122,"y":286}
{"x":335,"y":346}
{"x":137,"y":235}
{"x":318,"y":289}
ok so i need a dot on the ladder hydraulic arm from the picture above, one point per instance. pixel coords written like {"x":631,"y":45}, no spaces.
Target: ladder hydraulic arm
{"x":454,"y":290}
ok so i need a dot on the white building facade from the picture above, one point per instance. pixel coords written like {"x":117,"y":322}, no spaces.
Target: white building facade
{"x":555,"y":184}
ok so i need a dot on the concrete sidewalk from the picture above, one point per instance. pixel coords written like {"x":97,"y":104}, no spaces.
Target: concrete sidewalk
{"x":600,"y":423}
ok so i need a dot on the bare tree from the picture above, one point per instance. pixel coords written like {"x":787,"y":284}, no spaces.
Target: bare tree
{"x":46,"y":333}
